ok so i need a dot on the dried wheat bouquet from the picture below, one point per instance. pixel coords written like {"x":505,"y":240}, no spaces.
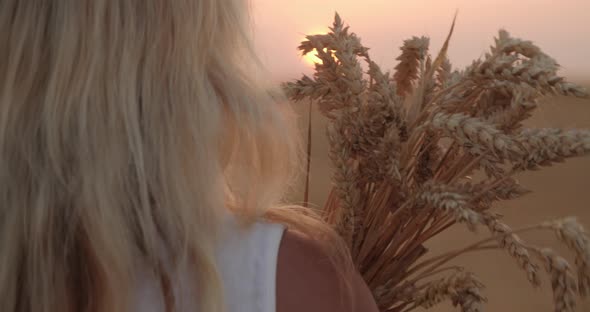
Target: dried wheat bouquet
{"x":428,"y":147}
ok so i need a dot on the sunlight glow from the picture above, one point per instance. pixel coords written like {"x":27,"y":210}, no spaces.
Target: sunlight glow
{"x":312,"y":58}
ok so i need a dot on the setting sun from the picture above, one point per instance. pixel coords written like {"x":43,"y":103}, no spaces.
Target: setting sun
{"x":312,"y":58}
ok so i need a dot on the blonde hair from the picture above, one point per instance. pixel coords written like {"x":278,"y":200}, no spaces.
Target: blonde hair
{"x":125,"y":124}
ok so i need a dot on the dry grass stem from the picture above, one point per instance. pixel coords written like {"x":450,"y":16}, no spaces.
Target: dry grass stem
{"x":462,"y":288}
{"x":575,"y":237}
{"x":514,"y":245}
{"x":563,"y":281}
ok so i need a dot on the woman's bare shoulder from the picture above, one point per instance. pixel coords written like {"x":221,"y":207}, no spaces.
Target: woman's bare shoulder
{"x":308,"y":281}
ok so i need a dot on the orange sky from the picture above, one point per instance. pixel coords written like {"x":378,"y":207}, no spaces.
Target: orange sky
{"x":561,"y":28}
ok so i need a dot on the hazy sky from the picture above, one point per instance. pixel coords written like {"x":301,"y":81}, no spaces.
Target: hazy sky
{"x":561,"y":28}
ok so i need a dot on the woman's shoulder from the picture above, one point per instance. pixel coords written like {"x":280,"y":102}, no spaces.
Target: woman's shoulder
{"x":308,"y":280}
{"x":287,"y":272}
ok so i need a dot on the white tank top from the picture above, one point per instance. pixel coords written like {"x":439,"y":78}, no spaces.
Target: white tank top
{"x":247,"y":263}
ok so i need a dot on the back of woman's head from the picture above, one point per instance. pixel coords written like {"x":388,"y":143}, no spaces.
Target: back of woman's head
{"x":126,"y":126}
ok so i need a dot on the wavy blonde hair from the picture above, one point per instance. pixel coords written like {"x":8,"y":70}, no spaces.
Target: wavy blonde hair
{"x":125,"y":124}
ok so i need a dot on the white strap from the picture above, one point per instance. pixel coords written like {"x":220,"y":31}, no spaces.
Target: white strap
{"x":248,"y":267}
{"x":247,"y":264}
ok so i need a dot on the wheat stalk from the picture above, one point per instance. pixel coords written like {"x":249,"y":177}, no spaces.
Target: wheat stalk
{"x":405,"y":148}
